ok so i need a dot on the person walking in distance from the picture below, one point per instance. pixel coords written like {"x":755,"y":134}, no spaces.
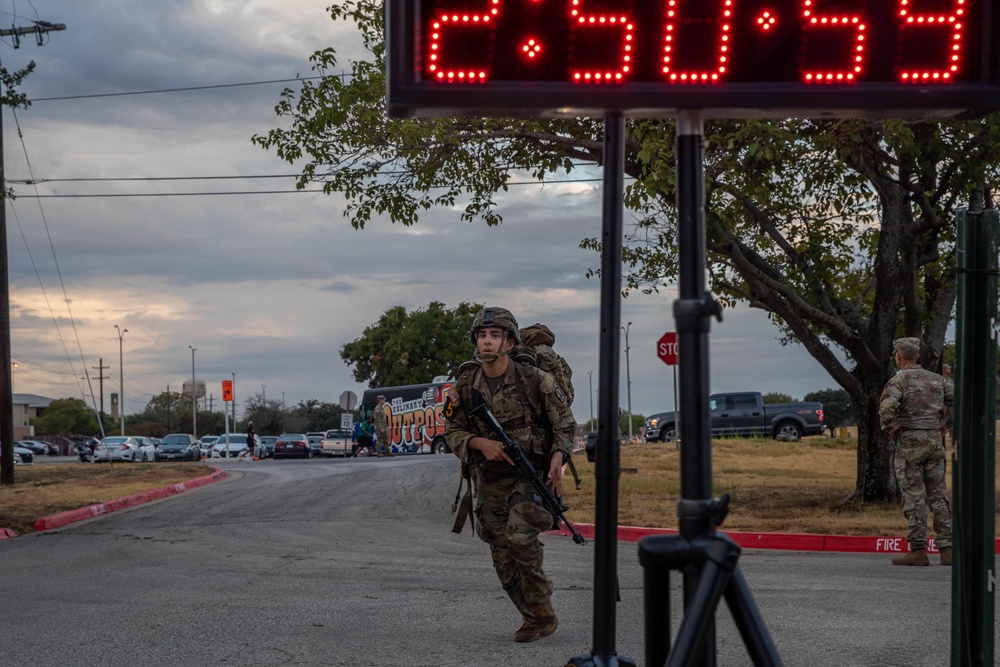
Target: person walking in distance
{"x":915,"y":408}
{"x":251,"y":442}
{"x":509,"y":514}
{"x":381,"y":429}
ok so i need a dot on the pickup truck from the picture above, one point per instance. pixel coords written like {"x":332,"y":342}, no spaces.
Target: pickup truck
{"x":336,"y":442}
{"x":745,"y":414}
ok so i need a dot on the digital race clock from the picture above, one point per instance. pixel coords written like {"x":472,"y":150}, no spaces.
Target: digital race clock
{"x":732,"y":58}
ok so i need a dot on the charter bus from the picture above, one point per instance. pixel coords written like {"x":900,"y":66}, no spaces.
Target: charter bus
{"x":414,"y":416}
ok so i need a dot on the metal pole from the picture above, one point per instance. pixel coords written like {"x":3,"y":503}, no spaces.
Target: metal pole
{"x":692,"y":311}
{"x":628,"y":382}
{"x":194,"y":397}
{"x":121,"y":378}
{"x":593,"y":426}
{"x":607,"y":468}
{"x":974,"y":458}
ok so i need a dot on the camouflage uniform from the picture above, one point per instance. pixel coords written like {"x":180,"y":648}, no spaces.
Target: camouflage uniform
{"x":537,"y":341}
{"x":920,"y":402}
{"x":381,"y":430}
{"x":533,"y":410}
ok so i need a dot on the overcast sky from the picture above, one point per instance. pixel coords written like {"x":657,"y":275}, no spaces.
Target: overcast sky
{"x":268,"y":286}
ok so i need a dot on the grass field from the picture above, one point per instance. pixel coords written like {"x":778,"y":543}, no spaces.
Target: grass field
{"x":43,"y":490}
{"x":787,"y":487}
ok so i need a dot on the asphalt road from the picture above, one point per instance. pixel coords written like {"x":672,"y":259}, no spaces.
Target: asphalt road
{"x":352,"y":563}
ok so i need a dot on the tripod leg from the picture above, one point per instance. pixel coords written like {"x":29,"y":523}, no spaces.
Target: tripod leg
{"x":750,"y":623}
{"x":699,"y":616}
{"x":656,"y":604}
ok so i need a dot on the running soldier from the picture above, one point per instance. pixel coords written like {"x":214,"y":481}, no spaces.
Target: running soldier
{"x":915,"y":409}
{"x":509,"y":515}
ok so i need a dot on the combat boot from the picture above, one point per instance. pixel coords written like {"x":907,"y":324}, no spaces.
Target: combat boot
{"x":915,"y":557}
{"x":526,"y":633}
{"x":545,"y":618}
{"x":946,"y":555}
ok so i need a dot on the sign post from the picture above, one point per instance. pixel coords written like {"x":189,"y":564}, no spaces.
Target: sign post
{"x":667,"y":351}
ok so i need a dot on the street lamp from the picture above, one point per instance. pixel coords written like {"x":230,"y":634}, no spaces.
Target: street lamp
{"x":628,"y":382}
{"x":121,"y":378}
{"x":194,"y":397}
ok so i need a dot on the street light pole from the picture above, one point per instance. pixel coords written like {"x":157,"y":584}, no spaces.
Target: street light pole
{"x":628,"y":382}
{"x":121,"y":377}
{"x":234,"y":402}
{"x":590,"y":374}
{"x":194,"y":397}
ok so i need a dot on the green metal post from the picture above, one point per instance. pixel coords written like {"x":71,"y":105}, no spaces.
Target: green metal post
{"x":973,"y":466}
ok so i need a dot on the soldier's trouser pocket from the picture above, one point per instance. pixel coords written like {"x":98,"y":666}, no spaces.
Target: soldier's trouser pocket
{"x":528,"y":517}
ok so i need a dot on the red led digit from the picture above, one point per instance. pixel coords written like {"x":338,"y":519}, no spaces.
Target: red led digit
{"x":917,"y":22}
{"x":582,"y":22}
{"x":855,"y":25}
{"x":686,"y":27}
{"x":448,"y":24}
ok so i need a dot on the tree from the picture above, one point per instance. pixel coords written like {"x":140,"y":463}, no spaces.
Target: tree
{"x":267,"y":415}
{"x":841,"y":230}
{"x":67,"y":416}
{"x":410,"y":348}
{"x":774,"y":397}
{"x":837,"y":408}
{"x":312,"y":415}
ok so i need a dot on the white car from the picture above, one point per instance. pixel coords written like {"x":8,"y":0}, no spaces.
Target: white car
{"x":124,"y":448}
{"x":230,"y":446}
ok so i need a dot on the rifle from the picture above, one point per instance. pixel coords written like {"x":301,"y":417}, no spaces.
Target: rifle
{"x":513,"y":449}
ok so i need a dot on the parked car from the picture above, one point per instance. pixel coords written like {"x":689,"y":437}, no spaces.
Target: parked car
{"x":316,"y":442}
{"x":745,"y":414}
{"x":266,"y":446}
{"x":124,"y":448}
{"x":292,"y":445}
{"x":17,"y":459}
{"x":338,"y":442}
{"x":230,"y":446}
{"x":37,"y":447}
{"x":26,"y":455}
{"x":178,"y":446}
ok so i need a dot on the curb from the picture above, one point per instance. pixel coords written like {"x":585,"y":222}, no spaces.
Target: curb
{"x":777,"y":541}
{"x":90,"y":511}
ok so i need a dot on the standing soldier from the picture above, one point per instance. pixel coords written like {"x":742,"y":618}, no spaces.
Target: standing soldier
{"x":381,"y":430}
{"x":532,"y":409}
{"x":916,"y":410}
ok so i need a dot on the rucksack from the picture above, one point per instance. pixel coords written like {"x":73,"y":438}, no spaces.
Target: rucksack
{"x":536,"y":350}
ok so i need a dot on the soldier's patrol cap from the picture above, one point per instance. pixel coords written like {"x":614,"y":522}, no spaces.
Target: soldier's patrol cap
{"x":907,"y":345}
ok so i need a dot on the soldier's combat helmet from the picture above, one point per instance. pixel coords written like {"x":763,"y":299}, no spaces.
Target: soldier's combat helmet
{"x":495,"y":317}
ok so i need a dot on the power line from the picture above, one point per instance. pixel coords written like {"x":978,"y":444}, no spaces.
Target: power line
{"x":266,"y":192}
{"x":177,"y":90}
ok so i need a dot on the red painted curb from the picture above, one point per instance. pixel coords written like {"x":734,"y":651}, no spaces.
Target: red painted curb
{"x":70,"y":516}
{"x":782,"y":541}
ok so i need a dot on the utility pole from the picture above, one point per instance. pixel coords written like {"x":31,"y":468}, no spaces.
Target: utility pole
{"x":6,"y":379}
{"x":168,"y":408}
{"x":100,"y":368}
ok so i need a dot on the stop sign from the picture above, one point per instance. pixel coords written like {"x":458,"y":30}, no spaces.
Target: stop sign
{"x":666,"y":348}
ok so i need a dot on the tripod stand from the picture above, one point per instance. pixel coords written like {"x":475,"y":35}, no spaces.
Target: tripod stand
{"x":707,"y":559}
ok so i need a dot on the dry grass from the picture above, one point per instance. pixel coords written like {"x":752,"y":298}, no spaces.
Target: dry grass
{"x":775,"y":487}
{"x":48,"y":489}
